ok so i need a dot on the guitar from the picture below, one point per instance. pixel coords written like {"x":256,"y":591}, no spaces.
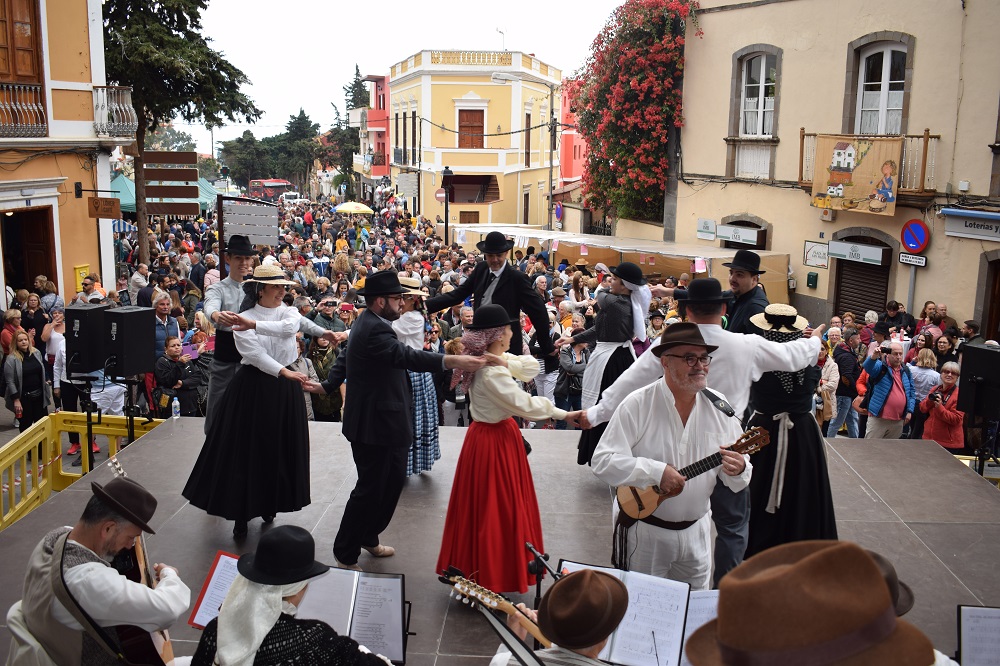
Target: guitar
{"x":138,"y":645}
{"x":640,"y":502}
{"x":466,"y":590}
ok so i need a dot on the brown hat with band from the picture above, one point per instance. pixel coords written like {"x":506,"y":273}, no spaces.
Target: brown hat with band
{"x":128,"y":499}
{"x":681,"y":333}
{"x":583,"y":608}
{"x":808,"y":602}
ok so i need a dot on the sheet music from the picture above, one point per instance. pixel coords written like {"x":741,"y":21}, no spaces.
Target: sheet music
{"x":378,"y":615}
{"x":703,"y":607}
{"x":330,"y":598}
{"x":215,"y":589}
{"x":979,"y":640}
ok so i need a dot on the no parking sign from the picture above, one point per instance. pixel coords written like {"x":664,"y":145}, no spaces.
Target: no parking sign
{"x":915,"y":236}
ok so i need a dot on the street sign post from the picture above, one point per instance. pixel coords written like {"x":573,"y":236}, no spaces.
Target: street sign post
{"x":915,"y":236}
{"x":441,"y":194}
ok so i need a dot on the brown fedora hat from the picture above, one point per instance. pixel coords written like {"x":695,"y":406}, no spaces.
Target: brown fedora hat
{"x":583,"y":608}
{"x":129,"y":499}
{"x":808,"y":602}
{"x":681,"y":333}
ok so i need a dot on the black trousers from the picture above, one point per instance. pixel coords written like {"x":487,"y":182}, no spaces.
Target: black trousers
{"x":33,"y":410}
{"x":381,"y":475}
{"x":70,"y":397}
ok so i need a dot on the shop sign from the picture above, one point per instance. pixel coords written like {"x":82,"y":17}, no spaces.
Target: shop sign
{"x":742,"y":235}
{"x":706,"y":229}
{"x":865,"y":254}
{"x":968,"y":227}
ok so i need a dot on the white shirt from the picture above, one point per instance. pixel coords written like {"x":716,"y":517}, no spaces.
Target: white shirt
{"x":409,"y":329}
{"x":646,"y":434}
{"x":94,"y":585}
{"x":224,"y":295}
{"x":271,"y":346}
{"x":739,"y":361}
{"x":495,"y":396}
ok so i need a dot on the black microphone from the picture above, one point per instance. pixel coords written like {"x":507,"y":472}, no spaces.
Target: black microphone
{"x":719,"y":403}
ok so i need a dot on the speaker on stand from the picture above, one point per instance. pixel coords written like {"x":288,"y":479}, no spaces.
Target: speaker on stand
{"x":130,"y":335}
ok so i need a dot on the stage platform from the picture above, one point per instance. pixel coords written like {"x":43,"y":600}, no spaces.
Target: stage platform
{"x":909,"y":500}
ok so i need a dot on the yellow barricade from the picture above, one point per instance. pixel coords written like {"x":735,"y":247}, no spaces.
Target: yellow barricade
{"x":27,"y":482}
{"x":991,"y":473}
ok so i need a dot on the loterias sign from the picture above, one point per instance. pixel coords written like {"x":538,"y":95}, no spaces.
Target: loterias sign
{"x":982,"y":225}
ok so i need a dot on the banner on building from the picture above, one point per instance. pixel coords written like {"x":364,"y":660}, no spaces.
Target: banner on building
{"x":857,"y":174}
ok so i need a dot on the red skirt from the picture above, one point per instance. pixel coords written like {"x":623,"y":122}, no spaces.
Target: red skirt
{"x":492,"y":510}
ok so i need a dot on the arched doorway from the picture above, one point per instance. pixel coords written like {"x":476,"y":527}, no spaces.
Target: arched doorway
{"x":862,"y":284}
{"x":758,"y":239}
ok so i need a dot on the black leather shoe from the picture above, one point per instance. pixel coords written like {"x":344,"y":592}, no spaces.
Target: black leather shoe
{"x":78,"y":462}
{"x":240,"y":529}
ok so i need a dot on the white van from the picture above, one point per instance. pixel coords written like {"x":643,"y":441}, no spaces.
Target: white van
{"x":292,"y":199}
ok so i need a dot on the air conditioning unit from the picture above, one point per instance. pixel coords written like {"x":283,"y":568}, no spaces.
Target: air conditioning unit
{"x":827,"y":214}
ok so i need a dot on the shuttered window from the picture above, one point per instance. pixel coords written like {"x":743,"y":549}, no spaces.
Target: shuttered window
{"x":19,"y":45}
{"x":470,"y":128}
{"x":861,"y":287}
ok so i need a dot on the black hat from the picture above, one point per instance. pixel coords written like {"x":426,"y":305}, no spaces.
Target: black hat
{"x":703,"y":291}
{"x":745,"y":260}
{"x":490,"y":316}
{"x":495,"y":243}
{"x":129,"y":499}
{"x":284,"y":555}
{"x":383,"y":283}
{"x":882,"y":328}
{"x":657,"y":313}
{"x":682,"y":333}
{"x":628,"y":272}
{"x":240,"y":246}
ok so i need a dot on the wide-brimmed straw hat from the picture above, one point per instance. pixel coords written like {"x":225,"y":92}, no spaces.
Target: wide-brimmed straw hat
{"x":490,"y":316}
{"x":581,"y":262}
{"x":781,"y":318}
{"x":682,"y":333}
{"x":128,"y":499}
{"x":412,"y":286}
{"x":583,"y":608}
{"x":794,"y":602}
{"x":284,"y":555}
{"x":270,"y":274}
{"x":495,"y":243}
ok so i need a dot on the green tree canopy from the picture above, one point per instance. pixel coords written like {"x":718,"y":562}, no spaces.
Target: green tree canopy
{"x":247,"y":158}
{"x":167,"y":138}
{"x":157,"y":48}
{"x":356,"y":92}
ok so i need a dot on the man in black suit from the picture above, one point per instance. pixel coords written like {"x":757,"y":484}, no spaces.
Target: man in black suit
{"x":378,"y":414}
{"x":494,"y":281}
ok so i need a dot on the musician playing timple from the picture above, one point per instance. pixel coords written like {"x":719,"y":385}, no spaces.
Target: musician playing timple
{"x":115,"y":516}
{"x":656,"y":431}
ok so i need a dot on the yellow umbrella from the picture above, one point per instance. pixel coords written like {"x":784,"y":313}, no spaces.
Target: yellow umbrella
{"x":353,"y":207}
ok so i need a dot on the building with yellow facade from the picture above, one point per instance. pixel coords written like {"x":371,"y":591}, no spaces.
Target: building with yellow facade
{"x":484,"y":114}
{"x":59,"y":123}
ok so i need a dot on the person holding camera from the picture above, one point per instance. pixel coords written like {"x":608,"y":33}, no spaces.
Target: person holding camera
{"x":569,"y":387}
{"x":891,"y":387}
{"x":944,"y":420}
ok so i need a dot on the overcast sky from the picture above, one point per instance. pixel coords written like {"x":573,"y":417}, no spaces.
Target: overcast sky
{"x":301,"y":53}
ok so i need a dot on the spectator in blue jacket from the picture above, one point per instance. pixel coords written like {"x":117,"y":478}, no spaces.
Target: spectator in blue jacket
{"x":893,"y":398}
{"x":166,"y":326}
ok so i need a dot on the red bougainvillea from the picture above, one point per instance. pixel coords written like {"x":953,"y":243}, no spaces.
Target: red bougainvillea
{"x":627,"y":98}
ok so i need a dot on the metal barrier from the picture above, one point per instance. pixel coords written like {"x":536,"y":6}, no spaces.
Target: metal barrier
{"x":26,"y":484}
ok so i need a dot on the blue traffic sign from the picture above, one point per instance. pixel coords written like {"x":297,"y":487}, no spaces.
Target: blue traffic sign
{"x":915,"y":236}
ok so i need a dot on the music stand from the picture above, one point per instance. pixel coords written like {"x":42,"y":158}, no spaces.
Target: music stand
{"x":979,"y":394}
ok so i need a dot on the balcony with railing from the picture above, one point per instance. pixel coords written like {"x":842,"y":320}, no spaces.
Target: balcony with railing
{"x":917,"y":185}
{"x":22,"y":110}
{"x":491,"y":58}
{"x":114,"y":115}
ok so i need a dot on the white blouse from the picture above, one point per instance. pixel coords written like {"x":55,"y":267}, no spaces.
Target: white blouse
{"x":271,"y":346}
{"x":409,"y":329}
{"x":496,"y":397}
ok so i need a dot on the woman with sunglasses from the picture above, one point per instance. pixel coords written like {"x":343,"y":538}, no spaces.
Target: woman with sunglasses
{"x":944,"y":420}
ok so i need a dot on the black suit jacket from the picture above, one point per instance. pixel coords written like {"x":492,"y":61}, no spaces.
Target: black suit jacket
{"x":378,"y":409}
{"x":513,"y":292}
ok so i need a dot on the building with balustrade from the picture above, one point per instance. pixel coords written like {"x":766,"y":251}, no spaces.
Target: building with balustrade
{"x":59,"y":123}
{"x":769,"y":79}
{"x":484,"y":114}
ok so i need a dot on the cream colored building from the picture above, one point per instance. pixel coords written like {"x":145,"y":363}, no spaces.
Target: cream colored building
{"x":767,"y":76}
{"x":484,"y":114}
{"x":59,"y":123}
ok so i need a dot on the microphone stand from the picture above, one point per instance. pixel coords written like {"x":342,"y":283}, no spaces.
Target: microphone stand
{"x":537,"y":567}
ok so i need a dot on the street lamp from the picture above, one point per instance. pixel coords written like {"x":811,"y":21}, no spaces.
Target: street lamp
{"x":446,"y":177}
{"x":503,"y":77}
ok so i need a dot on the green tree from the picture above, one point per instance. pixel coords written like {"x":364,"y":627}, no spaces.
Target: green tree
{"x":292,"y":153}
{"x":247,"y":158}
{"x":356,"y":92}
{"x":167,"y":138}
{"x":157,"y":49}
{"x":340,"y":144}
{"x":208,"y":168}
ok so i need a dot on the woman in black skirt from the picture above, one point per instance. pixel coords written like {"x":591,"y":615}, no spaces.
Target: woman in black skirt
{"x":621,"y":316}
{"x":255,"y":461}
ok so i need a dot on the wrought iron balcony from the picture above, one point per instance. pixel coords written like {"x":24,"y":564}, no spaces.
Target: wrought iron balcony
{"x":916,"y":171}
{"x":113,"y":112}
{"x":22,"y":110}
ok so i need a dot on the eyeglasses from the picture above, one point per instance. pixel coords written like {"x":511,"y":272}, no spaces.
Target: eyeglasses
{"x":691,"y":359}
{"x":948,"y":372}
{"x":326,"y":304}
{"x":87,"y":284}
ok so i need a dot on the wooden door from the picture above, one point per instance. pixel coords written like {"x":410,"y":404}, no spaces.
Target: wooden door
{"x":527,"y":208}
{"x":527,"y":141}
{"x":470,"y":128}
{"x":990,"y":326}
{"x":19,"y":42}
{"x":468,"y":217}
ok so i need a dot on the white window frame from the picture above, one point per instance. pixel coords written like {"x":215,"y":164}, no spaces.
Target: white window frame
{"x":886,"y":48}
{"x":762,"y":99}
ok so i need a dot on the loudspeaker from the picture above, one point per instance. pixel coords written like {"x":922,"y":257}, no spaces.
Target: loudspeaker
{"x":130,"y":335}
{"x":85,"y":338}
